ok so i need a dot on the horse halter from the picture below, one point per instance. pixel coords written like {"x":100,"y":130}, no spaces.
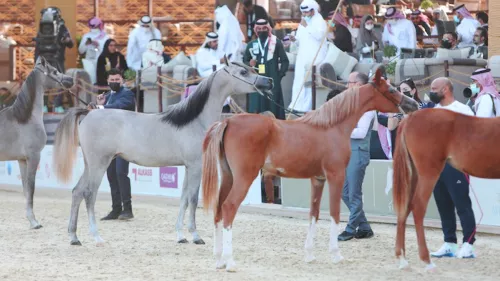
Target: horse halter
{"x":390,"y":97}
{"x":46,"y":73}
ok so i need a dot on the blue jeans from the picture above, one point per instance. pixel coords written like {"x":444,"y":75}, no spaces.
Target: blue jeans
{"x":352,"y":193}
{"x":452,"y":191}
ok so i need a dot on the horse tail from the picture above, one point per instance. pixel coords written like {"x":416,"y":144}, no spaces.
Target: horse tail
{"x":403,"y":186}
{"x":212,"y":145}
{"x":65,"y":144}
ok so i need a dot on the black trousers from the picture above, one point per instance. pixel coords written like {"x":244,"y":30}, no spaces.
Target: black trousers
{"x":119,"y":183}
{"x":452,"y":191}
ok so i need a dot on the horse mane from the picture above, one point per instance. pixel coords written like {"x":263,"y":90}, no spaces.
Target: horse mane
{"x":334,"y":111}
{"x":185,"y":112}
{"x":23,"y":105}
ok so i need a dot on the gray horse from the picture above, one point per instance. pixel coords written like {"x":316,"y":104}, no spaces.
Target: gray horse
{"x":170,"y":138}
{"x":22,"y":134}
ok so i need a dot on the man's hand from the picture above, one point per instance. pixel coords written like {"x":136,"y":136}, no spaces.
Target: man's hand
{"x":253,"y":62}
{"x":91,"y":106}
{"x":66,"y":39}
{"x":95,"y":43}
{"x":101,"y":99}
{"x":292,"y":38}
{"x":303,"y":22}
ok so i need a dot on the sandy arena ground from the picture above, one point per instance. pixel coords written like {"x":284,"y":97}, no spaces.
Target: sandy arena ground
{"x":265,"y":247}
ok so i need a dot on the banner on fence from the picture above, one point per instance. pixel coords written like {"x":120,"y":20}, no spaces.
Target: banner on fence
{"x":164,"y":181}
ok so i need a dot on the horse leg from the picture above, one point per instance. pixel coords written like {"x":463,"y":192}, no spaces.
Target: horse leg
{"x":28,"y":175}
{"x":419,"y":206}
{"x":225,"y":188}
{"x":335,"y":179}
{"x":183,"y":207}
{"x":193,"y":187}
{"x":401,"y":229}
{"x":76,"y":200}
{"x":317,"y":186}
{"x":269,"y":187}
{"x":90,"y":195}
{"x":241,"y":185}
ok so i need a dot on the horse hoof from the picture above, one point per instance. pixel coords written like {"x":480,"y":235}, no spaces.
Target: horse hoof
{"x":183,"y":241}
{"x":337,"y":259}
{"x":76,"y":243}
{"x":37,"y":226}
{"x":403,"y":264}
{"x":199,"y":242}
{"x":430,"y":268}
{"x":220,"y":265}
{"x":310,"y":258}
{"x":231,"y":267}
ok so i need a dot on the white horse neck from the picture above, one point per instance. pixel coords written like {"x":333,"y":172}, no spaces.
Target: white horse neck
{"x":219,"y":92}
{"x":29,"y":102}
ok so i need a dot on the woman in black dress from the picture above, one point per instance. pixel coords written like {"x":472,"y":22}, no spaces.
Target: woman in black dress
{"x":109,"y":58}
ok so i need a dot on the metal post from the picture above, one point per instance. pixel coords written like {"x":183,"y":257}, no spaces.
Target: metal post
{"x":313,"y":87}
{"x":137,"y":89}
{"x":160,"y":89}
{"x":446,"y":69}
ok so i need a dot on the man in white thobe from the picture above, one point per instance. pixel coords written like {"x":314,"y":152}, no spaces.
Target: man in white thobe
{"x":138,"y":41}
{"x":310,"y":34}
{"x":91,"y":46}
{"x":466,"y":27}
{"x":230,"y":41}
{"x":398,"y":31}
{"x":208,"y":55}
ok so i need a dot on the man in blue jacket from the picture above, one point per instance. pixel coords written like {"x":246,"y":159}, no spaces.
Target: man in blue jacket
{"x":120,"y":97}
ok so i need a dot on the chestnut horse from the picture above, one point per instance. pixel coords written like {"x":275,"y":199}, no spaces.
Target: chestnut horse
{"x":426,"y":140}
{"x":246,"y":143}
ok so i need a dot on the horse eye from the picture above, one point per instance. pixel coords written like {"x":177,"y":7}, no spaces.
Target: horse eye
{"x":244,"y":72}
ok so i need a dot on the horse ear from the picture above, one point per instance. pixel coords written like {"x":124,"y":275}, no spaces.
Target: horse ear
{"x":378,"y":74}
{"x":225,"y":60}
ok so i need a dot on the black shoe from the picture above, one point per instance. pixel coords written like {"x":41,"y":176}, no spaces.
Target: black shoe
{"x":362,"y":234}
{"x":126,"y":215}
{"x":113,"y":215}
{"x":344,"y":236}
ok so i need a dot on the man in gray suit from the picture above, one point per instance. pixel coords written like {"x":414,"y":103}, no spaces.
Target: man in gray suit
{"x":357,"y":227}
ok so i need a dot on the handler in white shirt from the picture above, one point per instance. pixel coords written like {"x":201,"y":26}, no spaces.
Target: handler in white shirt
{"x":352,"y":195}
{"x":452,"y":188}
{"x":466,"y":27}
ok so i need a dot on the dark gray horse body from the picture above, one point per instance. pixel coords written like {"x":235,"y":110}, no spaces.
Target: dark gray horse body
{"x":23,"y":136}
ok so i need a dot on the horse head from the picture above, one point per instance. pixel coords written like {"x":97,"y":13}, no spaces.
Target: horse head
{"x":387,"y":99}
{"x":246,"y":80}
{"x":56,"y":79}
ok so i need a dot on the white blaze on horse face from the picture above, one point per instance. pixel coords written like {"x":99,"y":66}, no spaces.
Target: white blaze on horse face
{"x":334,"y":243}
{"x":309,"y":245}
{"x":227,"y":249}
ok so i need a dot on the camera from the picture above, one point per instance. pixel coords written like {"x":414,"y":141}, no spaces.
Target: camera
{"x":467,"y":93}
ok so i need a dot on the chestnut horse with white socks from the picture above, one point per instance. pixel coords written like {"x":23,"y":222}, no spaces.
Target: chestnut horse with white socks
{"x":246,"y":143}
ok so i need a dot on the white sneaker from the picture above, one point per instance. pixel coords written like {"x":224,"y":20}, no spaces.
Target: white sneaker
{"x":447,"y":250}
{"x":466,"y":252}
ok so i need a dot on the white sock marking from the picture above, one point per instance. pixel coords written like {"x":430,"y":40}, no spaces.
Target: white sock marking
{"x":309,"y":245}
{"x":334,"y":243}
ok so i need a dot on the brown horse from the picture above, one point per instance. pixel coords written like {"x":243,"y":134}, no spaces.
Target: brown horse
{"x":426,"y":140}
{"x":315,"y":146}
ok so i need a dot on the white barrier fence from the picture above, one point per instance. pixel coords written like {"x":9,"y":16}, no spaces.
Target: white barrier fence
{"x":164,"y":181}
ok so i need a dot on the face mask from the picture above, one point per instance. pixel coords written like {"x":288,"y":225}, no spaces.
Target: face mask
{"x":456,"y":19}
{"x":115,"y":86}
{"x":407,"y":93}
{"x":435,"y":98}
{"x":369,"y":26}
{"x":474,"y":89}
{"x":391,"y":22}
{"x":307,"y":18}
{"x":95,"y":30}
{"x":263,"y":35}
{"x":446,"y":44}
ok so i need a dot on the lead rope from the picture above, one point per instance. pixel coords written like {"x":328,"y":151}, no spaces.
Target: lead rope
{"x":480,"y":209}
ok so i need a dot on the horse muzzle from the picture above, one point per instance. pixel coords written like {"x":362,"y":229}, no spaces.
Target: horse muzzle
{"x":67,"y":81}
{"x":264,"y":83}
{"x":408,"y":104}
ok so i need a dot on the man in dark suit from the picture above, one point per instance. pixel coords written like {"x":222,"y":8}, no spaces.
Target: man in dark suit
{"x":119,"y":97}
